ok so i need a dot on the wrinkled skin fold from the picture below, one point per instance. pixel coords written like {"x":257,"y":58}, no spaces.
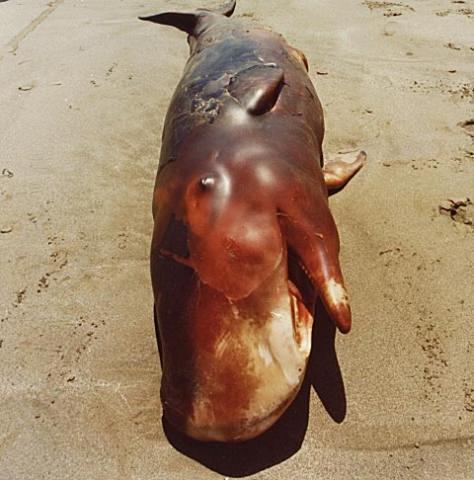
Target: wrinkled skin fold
{"x":244,"y":241}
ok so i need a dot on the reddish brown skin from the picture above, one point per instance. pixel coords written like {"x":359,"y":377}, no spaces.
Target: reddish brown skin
{"x":239,"y":189}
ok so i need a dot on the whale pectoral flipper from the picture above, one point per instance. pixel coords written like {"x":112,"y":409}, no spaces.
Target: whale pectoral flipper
{"x":337,"y":172}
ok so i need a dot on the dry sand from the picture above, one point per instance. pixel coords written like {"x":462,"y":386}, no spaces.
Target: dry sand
{"x":84,"y":89}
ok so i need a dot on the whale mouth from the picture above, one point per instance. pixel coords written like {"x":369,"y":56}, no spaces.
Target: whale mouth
{"x":239,"y":384}
{"x":300,"y":290}
{"x":303,"y":298}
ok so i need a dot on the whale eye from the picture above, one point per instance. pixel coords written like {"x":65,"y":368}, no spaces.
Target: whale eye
{"x":206,"y":183}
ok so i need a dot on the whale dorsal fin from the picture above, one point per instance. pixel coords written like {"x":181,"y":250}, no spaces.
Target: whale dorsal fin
{"x":257,"y":88}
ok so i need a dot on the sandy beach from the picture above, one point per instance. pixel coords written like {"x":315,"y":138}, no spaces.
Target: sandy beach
{"x":84,"y":90}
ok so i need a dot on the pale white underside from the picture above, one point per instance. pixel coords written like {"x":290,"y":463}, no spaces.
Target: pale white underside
{"x":274,"y":357}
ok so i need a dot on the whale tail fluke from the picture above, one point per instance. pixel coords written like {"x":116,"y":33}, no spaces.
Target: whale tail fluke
{"x":188,"y":21}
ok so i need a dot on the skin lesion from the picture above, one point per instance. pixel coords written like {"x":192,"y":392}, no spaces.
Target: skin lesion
{"x":338,"y":292}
